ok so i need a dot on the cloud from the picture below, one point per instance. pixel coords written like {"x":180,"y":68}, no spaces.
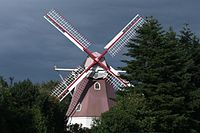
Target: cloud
{"x":30,"y":46}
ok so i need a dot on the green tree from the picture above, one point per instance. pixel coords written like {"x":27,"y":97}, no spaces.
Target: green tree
{"x":76,"y":128}
{"x":164,"y":69}
{"x":5,"y":101}
{"x":53,"y":113}
{"x":161,"y":66}
{"x":46,"y":87}
{"x":190,"y":46}
{"x":53,"y":110}
{"x":28,"y":108}
{"x":130,"y":115}
{"x":25,"y":93}
{"x":3,"y":83}
{"x":26,"y":120}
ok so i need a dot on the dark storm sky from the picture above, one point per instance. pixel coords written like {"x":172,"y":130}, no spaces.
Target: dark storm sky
{"x":30,"y":46}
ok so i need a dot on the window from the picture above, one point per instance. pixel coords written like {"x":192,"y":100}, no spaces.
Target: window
{"x":78,"y":107}
{"x":97,"y":86}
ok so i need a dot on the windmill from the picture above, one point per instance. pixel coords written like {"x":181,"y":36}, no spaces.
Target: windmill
{"x":92,"y":84}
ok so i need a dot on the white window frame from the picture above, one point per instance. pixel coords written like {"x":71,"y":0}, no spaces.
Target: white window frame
{"x":95,"y":86}
{"x":78,"y":107}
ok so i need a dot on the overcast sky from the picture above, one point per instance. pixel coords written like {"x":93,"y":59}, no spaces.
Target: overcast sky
{"x":30,"y":46}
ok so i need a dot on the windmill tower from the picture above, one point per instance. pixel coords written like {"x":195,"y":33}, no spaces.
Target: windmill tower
{"x":91,"y":84}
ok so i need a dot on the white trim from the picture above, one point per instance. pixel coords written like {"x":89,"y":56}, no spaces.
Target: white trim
{"x":120,"y":33}
{"x":65,"y":34}
{"x":72,"y":40}
{"x":113,"y":40}
{"x":130,"y":23}
{"x":84,"y":121}
{"x":95,"y":86}
{"x":114,"y":71}
{"x":79,"y":107}
{"x":73,"y":85}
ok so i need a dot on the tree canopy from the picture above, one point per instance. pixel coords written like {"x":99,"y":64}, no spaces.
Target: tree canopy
{"x":28,"y":108}
{"x":164,"y":69}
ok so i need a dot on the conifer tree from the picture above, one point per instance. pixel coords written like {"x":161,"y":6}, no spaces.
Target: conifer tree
{"x":164,"y":69}
{"x":161,"y":70}
{"x":191,"y":47}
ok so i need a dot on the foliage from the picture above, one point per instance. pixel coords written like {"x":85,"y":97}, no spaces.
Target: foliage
{"x":27,"y":108}
{"x":3,"y":83}
{"x":164,"y":68}
{"x":125,"y":117}
{"x":76,"y":128}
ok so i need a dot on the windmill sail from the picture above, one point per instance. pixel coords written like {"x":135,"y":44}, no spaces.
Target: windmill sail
{"x":115,"y":82}
{"x":122,"y":38}
{"x":67,"y":29}
{"x":68,"y":84}
{"x":95,"y":81}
